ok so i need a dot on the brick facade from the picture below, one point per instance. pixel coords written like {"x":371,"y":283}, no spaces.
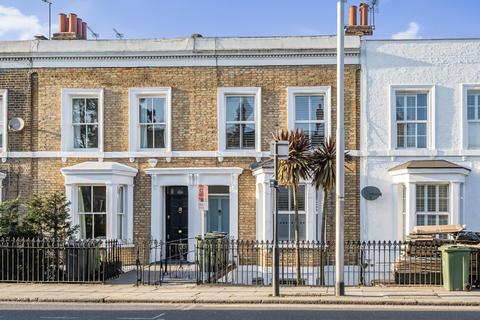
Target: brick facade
{"x":35,"y":96}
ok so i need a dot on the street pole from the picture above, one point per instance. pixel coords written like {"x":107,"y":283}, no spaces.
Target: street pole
{"x":276,"y":257}
{"x":340,"y":157}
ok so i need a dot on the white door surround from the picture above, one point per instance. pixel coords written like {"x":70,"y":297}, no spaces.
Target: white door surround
{"x":191,"y":177}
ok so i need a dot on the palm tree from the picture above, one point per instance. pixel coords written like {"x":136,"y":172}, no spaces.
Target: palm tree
{"x":322,"y":169}
{"x":290,"y":172}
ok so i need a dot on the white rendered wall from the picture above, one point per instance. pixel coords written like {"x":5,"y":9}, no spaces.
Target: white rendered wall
{"x":444,"y":64}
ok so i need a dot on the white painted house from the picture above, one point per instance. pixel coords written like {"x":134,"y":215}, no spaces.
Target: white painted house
{"x":420,"y":135}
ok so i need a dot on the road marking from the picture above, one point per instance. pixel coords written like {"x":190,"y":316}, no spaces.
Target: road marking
{"x":59,"y":318}
{"x":153,"y":318}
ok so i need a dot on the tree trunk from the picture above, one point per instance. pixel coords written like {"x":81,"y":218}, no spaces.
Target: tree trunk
{"x":297,"y":236}
{"x":323,"y":237}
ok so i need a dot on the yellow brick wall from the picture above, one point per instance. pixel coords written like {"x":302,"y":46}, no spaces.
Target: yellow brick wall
{"x":35,"y":95}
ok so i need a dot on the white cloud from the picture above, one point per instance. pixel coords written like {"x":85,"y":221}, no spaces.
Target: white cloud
{"x":14,"y":25}
{"x":410,"y":33}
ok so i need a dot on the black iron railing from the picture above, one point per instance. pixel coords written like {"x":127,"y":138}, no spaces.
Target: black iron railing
{"x":240,"y":262}
{"x":44,"y":260}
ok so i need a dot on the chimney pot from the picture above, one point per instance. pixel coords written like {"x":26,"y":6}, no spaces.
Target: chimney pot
{"x":352,"y":17}
{"x":62,"y":22}
{"x":84,"y":30}
{"x":72,"y":23}
{"x":363,"y":14}
{"x":79,"y":28}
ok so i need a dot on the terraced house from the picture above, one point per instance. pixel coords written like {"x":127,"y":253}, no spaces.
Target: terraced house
{"x":129,"y":128}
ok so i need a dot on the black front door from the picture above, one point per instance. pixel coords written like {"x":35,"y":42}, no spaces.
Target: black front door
{"x":177,"y":220}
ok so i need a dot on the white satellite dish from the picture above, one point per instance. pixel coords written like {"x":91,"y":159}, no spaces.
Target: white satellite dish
{"x":16,"y":124}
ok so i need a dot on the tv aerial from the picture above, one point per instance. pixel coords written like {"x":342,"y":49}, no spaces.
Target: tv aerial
{"x":118,"y":35}
{"x":94,"y":34}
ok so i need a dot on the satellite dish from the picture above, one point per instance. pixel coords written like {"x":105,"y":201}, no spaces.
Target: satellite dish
{"x":16,"y":124}
{"x":371,"y":193}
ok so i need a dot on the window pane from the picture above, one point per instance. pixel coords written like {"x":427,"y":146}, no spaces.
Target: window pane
{"x":422,"y":113}
{"x":78,"y":110}
{"x":233,"y":136}
{"x":420,"y":219}
{"x":421,"y":141}
{"x":120,"y":199}
{"x":1,"y":136}
{"x":233,"y":108}
{"x":302,"y":226}
{"x":420,"y":198}
{"x":92,"y":136}
{"x":100,"y":226}
{"x":146,"y":136}
{"x":247,"y":109}
{"x":411,"y":102}
{"x":84,"y":199}
{"x":86,"y":226}
{"x":99,"y":198}
{"x":471,"y":100}
{"x":400,"y":101}
{"x":317,"y":133}
{"x":301,"y":107}
{"x":411,"y":113}
{"x":411,"y":129}
{"x":422,"y":100}
{"x":400,"y":113}
{"x":471,"y":112}
{"x":283,"y":227}
{"x":91,"y":115}
{"x":411,"y":142}
{"x":159,"y":110}
{"x":159,"y":136}
{"x":316,"y":108}
{"x":443,"y":198}
{"x":120,"y":218}
{"x":431,"y":220}
{"x":431,"y":198}
{"x":474,"y":134}
{"x":303,"y":127}
{"x":401,"y":135}
{"x":300,"y":198}
{"x":143,"y":109}
{"x":79,"y":136}
{"x":248,"y":136}
{"x":443,"y":219}
{"x":282,"y":199}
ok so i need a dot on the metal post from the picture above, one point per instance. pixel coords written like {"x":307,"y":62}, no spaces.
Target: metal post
{"x":50,"y":21}
{"x":340,"y":199}
{"x":276,"y":257}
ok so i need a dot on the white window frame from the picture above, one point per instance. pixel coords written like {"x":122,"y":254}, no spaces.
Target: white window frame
{"x":134,"y":95}
{"x":437,"y":213}
{"x":222,"y":94}
{"x":430,"y":90}
{"x":4,"y":106}
{"x":67,"y":125}
{"x":108,"y":227}
{"x":325,"y":91}
{"x":464,"y":89}
{"x":291,"y":213}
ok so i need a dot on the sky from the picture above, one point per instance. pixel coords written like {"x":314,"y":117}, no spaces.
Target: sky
{"x":140,"y":19}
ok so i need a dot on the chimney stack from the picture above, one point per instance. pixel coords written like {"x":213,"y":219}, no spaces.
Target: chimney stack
{"x":362,"y":29}
{"x":352,"y":16}
{"x":70,"y":28}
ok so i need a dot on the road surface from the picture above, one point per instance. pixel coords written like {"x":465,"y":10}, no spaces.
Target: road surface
{"x":41,"y":311}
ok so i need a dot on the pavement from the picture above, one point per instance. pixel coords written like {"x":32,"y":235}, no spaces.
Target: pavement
{"x":193,"y":294}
